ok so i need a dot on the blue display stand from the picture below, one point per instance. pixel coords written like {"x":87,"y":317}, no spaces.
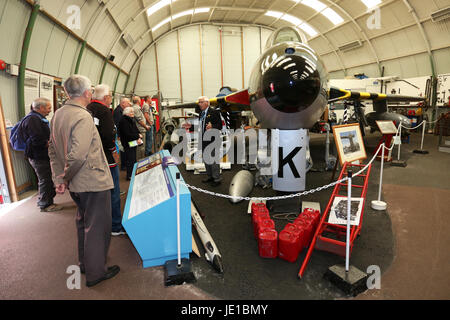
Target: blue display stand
{"x":150,"y":214}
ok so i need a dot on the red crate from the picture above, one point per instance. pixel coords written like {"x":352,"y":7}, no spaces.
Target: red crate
{"x":288,"y":246}
{"x":268,"y":244}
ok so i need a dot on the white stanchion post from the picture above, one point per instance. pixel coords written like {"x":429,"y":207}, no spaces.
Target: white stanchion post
{"x":399,"y":142}
{"x":178,"y":218}
{"x":349,"y":207}
{"x":421,"y":151}
{"x":423,"y":133}
{"x":378,"y":204}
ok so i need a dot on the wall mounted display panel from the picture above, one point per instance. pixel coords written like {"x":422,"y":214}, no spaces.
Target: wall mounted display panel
{"x":211,"y":60}
{"x":169,"y":76}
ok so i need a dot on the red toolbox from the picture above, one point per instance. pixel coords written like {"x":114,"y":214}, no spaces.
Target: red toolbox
{"x":288,"y":246}
{"x":268,"y":244}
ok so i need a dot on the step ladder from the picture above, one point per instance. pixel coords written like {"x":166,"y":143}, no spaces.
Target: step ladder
{"x":331,"y":237}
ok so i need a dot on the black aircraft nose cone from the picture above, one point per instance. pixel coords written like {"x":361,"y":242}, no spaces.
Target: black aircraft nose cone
{"x":292,"y":84}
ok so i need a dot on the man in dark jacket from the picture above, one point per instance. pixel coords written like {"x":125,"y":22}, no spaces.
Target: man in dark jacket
{"x":130,"y":138}
{"x":117,"y":115}
{"x":103,"y":119}
{"x":36,"y":132}
{"x":209,"y":119}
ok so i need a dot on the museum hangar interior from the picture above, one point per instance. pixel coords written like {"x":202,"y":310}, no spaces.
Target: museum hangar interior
{"x":307,"y":92}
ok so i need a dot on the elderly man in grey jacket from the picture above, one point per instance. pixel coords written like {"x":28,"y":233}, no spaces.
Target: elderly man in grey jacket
{"x":79,"y":165}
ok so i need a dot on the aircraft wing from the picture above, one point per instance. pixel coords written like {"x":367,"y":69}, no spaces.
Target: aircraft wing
{"x":379,"y":99}
{"x":236,"y":101}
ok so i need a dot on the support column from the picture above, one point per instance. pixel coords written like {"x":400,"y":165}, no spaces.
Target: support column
{"x":23,"y":59}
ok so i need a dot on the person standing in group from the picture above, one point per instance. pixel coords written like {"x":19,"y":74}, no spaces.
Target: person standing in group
{"x":80,"y":166}
{"x":117,"y":115}
{"x":103,"y":119}
{"x":209,"y":119}
{"x":141,"y":125}
{"x":130,"y":138}
{"x":148,"y":115}
{"x":35,"y":131}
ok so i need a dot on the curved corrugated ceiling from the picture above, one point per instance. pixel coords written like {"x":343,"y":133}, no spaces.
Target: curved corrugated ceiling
{"x":332,"y":26}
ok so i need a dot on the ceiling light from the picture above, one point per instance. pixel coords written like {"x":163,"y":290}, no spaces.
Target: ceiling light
{"x":308,"y":29}
{"x":371,"y":3}
{"x":332,"y":16}
{"x":274,"y":14}
{"x":159,"y":25}
{"x":294,"y":20}
{"x":158,"y":6}
{"x":179,"y":15}
{"x":201,"y":10}
{"x":315,"y":4}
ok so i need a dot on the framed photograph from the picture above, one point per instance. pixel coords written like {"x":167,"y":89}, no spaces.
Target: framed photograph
{"x":386,"y":126}
{"x":349,"y":142}
{"x":338,"y":212}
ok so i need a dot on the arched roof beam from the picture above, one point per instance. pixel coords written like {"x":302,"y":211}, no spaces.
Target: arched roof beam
{"x":341,"y":62}
{"x":372,"y":48}
{"x":424,"y":35}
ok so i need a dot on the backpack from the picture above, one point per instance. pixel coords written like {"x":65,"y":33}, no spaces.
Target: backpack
{"x":16,"y":139}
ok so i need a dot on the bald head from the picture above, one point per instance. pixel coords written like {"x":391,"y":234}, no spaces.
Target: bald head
{"x":125,"y":103}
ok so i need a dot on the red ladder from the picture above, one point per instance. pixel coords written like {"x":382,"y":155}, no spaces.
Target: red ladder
{"x":320,"y":241}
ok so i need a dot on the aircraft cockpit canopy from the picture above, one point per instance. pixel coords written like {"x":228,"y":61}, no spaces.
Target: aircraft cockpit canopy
{"x":286,"y":34}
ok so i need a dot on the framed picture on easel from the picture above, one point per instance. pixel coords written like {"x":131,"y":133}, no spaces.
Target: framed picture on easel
{"x":349,"y":143}
{"x":386,"y":126}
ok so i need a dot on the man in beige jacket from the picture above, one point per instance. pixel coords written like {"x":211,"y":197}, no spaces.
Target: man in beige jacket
{"x":80,"y":166}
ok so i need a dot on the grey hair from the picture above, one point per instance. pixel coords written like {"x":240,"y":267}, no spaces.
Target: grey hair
{"x":101,"y":91}
{"x":127,"y":111}
{"x":136,"y":100}
{"x":123,"y":99}
{"x":76,"y":85}
{"x":39,"y":102}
